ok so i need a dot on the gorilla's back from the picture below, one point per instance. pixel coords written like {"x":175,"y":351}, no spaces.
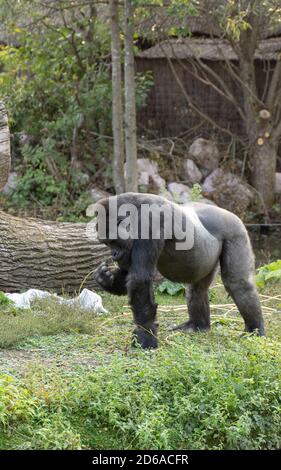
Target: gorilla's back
{"x":219,"y":222}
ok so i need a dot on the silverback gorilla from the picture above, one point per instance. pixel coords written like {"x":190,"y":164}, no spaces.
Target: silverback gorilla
{"x":215,"y":236}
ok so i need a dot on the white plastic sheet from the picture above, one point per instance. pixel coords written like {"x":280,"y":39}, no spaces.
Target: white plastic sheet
{"x":87,"y":300}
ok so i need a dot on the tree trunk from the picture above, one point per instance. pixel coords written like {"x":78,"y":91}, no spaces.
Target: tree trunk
{"x":130,"y":101}
{"x":47,"y":255}
{"x":117,"y":106}
{"x":264,"y":157}
{"x":5,"y":153}
{"x":258,"y":121}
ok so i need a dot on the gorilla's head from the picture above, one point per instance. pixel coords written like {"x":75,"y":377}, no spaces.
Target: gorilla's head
{"x":112,"y":234}
{"x":120,"y":252}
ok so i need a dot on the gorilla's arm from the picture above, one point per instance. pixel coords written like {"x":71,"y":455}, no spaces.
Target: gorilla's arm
{"x":112,"y":281}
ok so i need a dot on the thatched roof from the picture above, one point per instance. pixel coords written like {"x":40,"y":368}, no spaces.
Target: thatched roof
{"x":208,"y":49}
{"x":162,"y":22}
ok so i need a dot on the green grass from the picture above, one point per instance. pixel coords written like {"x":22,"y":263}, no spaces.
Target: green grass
{"x":69,"y":380}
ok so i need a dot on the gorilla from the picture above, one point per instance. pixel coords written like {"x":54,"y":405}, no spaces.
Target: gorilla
{"x":213,"y":237}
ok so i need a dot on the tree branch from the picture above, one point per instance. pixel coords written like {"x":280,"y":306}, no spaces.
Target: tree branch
{"x":190,"y":102}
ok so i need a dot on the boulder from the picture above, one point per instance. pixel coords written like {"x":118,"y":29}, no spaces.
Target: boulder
{"x":180,"y":192}
{"x":97,"y":194}
{"x":228,"y":191}
{"x":26,"y":139}
{"x":204,"y":200}
{"x":205,"y":154}
{"x":83,"y":179}
{"x":149,"y":179}
{"x":192,"y":174}
{"x":11,"y":183}
{"x":166,"y":195}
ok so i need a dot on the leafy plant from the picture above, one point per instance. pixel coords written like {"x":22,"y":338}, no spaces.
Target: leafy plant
{"x":171,"y":288}
{"x":196,"y":192}
{"x":269,"y":273}
{"x":4,"y":300}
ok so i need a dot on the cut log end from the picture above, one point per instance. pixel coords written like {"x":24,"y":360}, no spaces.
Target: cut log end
{"x":264,"y":114}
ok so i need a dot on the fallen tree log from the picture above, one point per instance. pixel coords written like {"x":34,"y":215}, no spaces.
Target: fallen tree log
{"x":45,"y":255}
{"x":40,"y":254}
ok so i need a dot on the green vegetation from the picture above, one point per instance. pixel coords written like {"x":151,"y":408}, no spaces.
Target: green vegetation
{"x":69,"y":380}
{"x":60,"y":111}
{"x":171,"y":288}
{"x":196,"y":192}
{"x":57,"y":89}
{"x":269,"y":273}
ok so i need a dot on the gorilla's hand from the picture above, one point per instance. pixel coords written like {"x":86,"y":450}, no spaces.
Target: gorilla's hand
{"x":110,"y":279}
{"x":104,"y":276}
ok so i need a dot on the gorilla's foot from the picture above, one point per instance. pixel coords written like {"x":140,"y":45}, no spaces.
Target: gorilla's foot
{"x":253,"y":332}
{"x":256,"y":329}
{"x":145,"y":337}
{"x":190,"y":327}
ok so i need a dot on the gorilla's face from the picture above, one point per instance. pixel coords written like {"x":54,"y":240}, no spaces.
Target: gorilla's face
{"x":117,"y":253}
{"x":116,"y":237}
{"x":120,"y":253}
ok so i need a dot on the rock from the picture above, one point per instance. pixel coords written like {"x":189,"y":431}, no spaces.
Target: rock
{"x":228,"y":191}
{"x":192,"y":174}
{"x":166,"y":195}
{"x":149,"y":179}
{"x":11,"y":183}
{"x":278,"y":183}
{"x":205,"y":154}
{"x":97,"y":194}
{"x":83,"y":179}
{"x":204,"y":200}
{"x":180,"y":192}
{"x":26,"y":139}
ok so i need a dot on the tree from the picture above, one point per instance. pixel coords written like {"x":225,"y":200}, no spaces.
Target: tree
{"x":242,"y":25}
{"x":130,"y":100}
{"x":123,"y":120}
{"x":117,"y":101}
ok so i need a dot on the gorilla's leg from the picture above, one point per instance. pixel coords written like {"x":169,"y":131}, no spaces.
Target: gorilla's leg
{"x":198,"y":306}
{"x":140,"y":290}
{"x":237,"y":269}
{"x":144,"y":310}
{"x":112,"y":281}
